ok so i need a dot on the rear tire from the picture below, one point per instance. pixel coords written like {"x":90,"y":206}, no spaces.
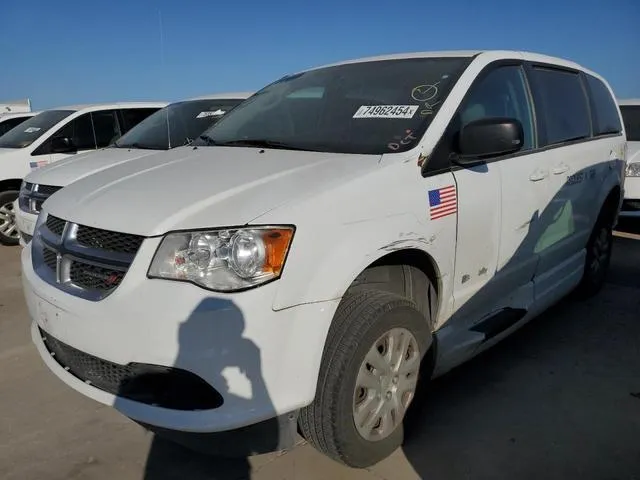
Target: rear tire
{"x":598,"y":258}
{"x":365,"y":322}
{"x":9,"y":234}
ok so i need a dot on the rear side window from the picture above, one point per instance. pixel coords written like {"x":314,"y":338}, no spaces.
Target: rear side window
{"x":631,"y":118}
{"x":561,"y":106}
{"x":10,"y":123}
{"x":133,"y":116}
{"x":606,"y":119}
{"x":105,"y":125}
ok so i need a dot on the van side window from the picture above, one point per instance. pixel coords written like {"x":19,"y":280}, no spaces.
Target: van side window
{"x":605,"y":117}
{"x":501,"y":93}
{"x":631,"y":118}
{"x":80,"y":131}
{"x":561,"y":103}
{"x":105,"y":124}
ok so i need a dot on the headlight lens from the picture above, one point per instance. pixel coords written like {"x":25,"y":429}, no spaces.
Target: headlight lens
{"x":633,"y":169}
{"x":224,"y":260}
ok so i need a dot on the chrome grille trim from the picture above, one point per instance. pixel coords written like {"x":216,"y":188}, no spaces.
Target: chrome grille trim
{"x":88,"y":272}
{"x":33,"y":195}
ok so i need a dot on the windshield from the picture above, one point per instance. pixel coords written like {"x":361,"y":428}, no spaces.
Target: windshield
{"x":631,"y":117}
{"x":176,"y":125}
{"x":368,"y":108}
{"x":30,"y":130}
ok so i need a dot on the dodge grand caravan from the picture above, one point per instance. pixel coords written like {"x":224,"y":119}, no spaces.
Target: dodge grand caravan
{"x":53,"y":135}
{"x":176,"y":125}
{"x":334,"y":242}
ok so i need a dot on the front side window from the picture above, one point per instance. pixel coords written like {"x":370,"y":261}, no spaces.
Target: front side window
{"x":32,"y":129}
{"x":564,"y":112}
{"x":105,"y":126}
{"x":176,"y":125}
{"x":79,"y":131}
{"x":501,"y":93}
{"x":370,"y":107}
{"x":631,"y":118}
{"x":606,"y":119}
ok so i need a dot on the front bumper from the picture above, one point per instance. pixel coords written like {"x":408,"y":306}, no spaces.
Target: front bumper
{"x":263,"y":363}
{"x":26,"y":223}
{"x":631,"y":202}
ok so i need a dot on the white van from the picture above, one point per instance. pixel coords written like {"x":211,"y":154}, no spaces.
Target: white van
{"x":10,"y":120}
{"x":631,"y":116}
{"x":175,"y":125}
{"x":334,"y":242}
{"x":56,"y":134}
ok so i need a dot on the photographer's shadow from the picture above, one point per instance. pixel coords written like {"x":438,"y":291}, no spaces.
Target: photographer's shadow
{"x":211,"y":344}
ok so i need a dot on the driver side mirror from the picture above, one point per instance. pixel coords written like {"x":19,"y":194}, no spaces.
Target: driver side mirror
{"x":62,"y":145}
{"x":488,"y":137}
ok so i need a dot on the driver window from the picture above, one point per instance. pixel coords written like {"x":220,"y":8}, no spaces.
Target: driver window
{"x":501,"y":93}
{"x":80,"y":131}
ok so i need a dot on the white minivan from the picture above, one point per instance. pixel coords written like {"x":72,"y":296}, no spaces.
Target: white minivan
{"x":631,"y":116}
{"x":175,"y":125}
{"x":56,"y":134}
{"x":331,"y":244}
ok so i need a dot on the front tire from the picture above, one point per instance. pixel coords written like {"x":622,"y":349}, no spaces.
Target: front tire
{"x":368,"y":377}
{"x":9,"y":234}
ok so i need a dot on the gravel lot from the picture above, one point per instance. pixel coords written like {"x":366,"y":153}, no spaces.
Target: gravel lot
{"x":560,"y":399}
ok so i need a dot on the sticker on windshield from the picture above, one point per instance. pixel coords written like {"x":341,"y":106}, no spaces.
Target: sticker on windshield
{"x":32,"y":129}
{"x":215,"y":113}
{"x":386,"y":111}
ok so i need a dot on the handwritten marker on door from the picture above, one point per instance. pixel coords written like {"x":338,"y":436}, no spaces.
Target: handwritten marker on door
{"x":442,"y":202}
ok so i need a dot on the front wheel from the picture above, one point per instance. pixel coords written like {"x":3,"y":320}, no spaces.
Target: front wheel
{"x":9,"y":234}
{"x":368,"y":378}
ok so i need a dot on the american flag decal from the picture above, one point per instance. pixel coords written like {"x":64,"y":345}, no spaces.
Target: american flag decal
{"x":442,"y":202}
{"x":38,"y":164}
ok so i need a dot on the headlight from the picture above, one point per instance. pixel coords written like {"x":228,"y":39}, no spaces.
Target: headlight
{"x":224,"y":260}
{"x":633,"y":169}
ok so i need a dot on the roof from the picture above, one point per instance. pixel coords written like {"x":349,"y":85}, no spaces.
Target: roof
{"x":495,"y":54}
{"x":629,"y":101}
{"x":102,"y":106}
{"x":4,"y":116}
{"x":222,"y":96}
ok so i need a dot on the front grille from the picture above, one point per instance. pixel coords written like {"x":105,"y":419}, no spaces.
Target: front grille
{"x":108,"y":240}
{"x":50,"y":258}
{"x":166,"y":387}
{"x":84,"y":261}
{"x":631,"y":205}
{"x":55,"y":225}
{"x":94,"y":277}
{"x":47,"y":190}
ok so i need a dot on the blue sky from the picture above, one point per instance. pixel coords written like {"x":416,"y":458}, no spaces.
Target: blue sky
{"x":62,"y":52}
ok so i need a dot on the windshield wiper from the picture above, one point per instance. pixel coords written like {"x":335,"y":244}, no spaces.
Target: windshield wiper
{"x":138,"y":146}
{"x":262,"y":143}
{"x":208,"y":140}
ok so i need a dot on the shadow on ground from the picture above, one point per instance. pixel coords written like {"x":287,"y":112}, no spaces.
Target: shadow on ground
{"x":558,"y":399}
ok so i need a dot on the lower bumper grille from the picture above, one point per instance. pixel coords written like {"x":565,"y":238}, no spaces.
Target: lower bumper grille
{"x":631,"y":206}
{"x":165,"y":387}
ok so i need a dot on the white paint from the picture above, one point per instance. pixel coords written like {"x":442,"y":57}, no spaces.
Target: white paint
{"x":349,"y":211}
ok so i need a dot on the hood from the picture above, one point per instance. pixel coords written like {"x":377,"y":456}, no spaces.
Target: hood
{"x":70,"y":169}
{"x":202,"y":187}
{"x":633,"y":152}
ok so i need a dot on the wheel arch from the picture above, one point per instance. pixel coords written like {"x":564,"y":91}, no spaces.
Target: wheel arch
{"x":10,"y":184}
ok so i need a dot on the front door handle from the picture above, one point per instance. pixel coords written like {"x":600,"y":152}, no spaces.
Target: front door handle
{"x":538,"y":175}
{"x":563,"y":167}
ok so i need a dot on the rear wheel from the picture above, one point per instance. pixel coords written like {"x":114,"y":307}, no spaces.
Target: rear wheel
{"x":9,"y":234}
{"x":368,"y":378}
{"x":598,"y":258}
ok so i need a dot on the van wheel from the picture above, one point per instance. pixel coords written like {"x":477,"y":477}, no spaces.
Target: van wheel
{"x":9,"y":234}
{"x":598,"y":258}
{"x":368,"y":377}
